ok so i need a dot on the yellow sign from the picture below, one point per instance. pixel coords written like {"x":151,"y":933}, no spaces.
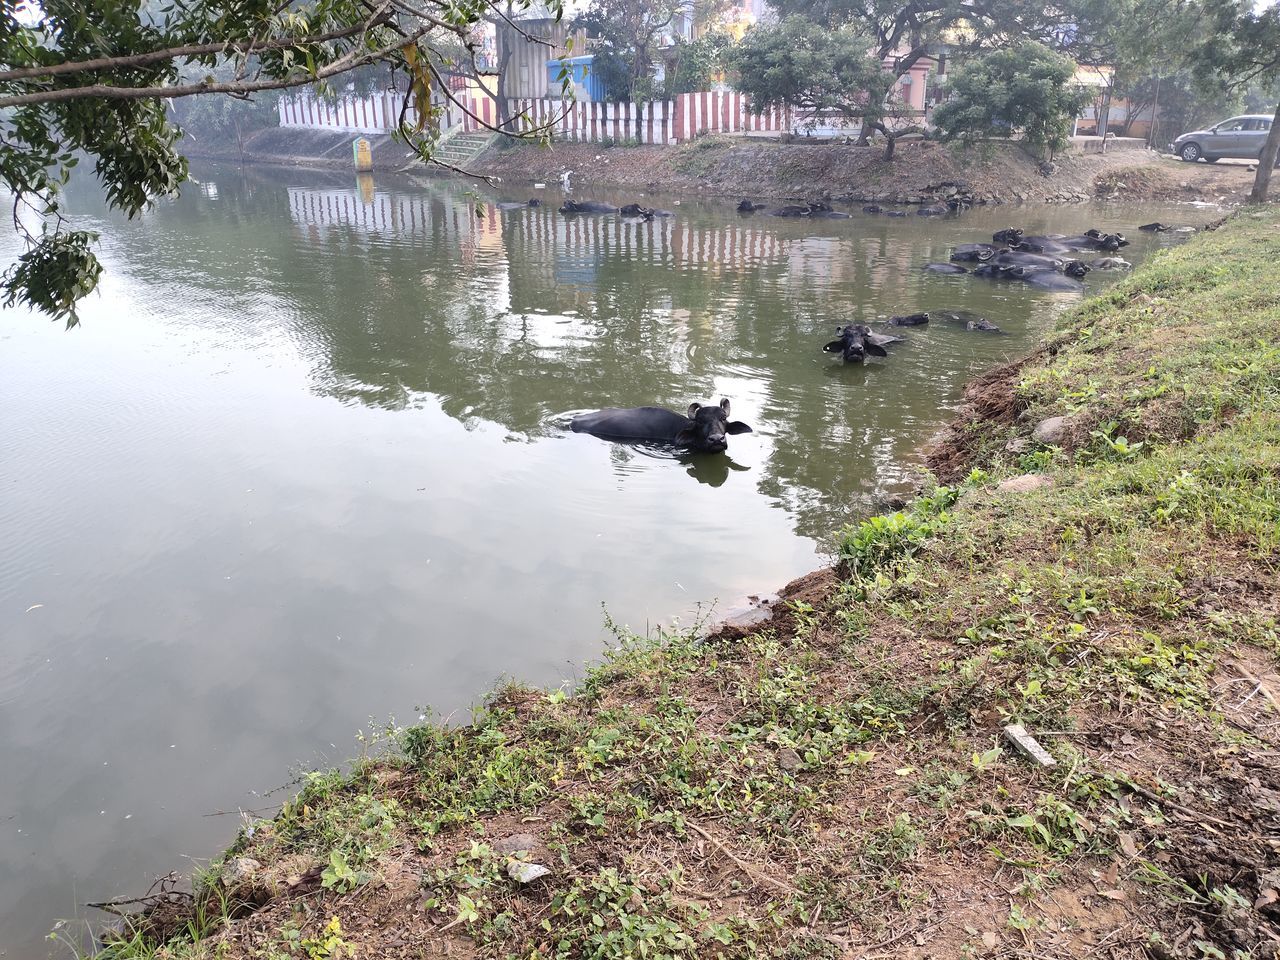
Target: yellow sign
{"x":364,"y":156}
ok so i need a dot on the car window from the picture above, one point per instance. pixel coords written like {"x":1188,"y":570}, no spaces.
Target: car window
{"x":1264,"y":125}
{"x":1230,"y":126}
{"x":1253,"y":125}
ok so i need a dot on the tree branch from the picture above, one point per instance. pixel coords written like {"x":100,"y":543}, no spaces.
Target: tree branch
{"x":236,"y":88}
{"x":173,"y":53}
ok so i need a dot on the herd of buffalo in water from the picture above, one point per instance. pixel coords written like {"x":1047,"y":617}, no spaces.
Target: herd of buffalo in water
{"x":1044,"y":261}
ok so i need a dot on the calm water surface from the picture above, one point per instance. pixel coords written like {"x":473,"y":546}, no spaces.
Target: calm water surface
{"x":304,"y":465}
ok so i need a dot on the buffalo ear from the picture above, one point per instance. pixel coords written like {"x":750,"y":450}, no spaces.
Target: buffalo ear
{"x":835,"y":346}
{"x":724,"y":405}
{"x":684,"y":438}
{"x":735,"y":427}
{"x":693,"y":410}
{"x":875,"y":349}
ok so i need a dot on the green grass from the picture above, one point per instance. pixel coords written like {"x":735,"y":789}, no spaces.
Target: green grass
{"x":796,"y":792}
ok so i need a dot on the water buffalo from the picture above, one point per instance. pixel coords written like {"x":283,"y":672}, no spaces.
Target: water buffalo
{"x":1025,"y":258}
{"x":896,"y":213}
{"x":635,"y":210}
{"x":1009,"y":235}
{"x":973,"y":253}
{"x":856,"y":341}
{"x":746,"y":206}
{"x":943,"y":268}
{"x":910,"y":320}
{"x":1045,"y":278}
{"x":872,"y":208}
{"x":1096,"y":240}
{"x":703,"y":429}
{"x":971,"y":321}
{"x":1110,"y":263}
{"x":1156,"y":227}
{"x":1053,"y":244}
{"x":515,"y":205}
{"x":791,"y":210}
{"x":933,"y":210}
{"x":587,"y":206}
{"x":983,"y":325}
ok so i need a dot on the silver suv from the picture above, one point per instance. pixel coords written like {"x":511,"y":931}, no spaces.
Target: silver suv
{"x":1240,"y":137}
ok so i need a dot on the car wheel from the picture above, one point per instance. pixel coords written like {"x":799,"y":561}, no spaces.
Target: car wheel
{"x":1190,"y":152}
{"x":1212,"y":159}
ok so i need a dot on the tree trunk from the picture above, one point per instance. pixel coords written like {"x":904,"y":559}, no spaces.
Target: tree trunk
{"x":1267,"y":162}
{"x":1104,"y":118}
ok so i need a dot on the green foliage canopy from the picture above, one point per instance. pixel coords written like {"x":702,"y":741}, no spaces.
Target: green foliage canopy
{"x":91,"y":78}
{"x":800,"y":63}
{"x":1026,"y":87}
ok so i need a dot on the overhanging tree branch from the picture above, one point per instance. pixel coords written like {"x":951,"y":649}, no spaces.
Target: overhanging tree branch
{"x":231,"y":47}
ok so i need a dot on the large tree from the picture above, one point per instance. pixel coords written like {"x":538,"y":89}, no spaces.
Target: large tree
{"x":1026,"y":88}
{"x":91,"y":78}
{"x":802,"y":64}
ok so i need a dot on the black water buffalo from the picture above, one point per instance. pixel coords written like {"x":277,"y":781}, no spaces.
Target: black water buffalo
{"x":747,"y":206}
{"x":634,"y":210}
{"x":872,"y":208}
{"x":815,"y":209}
{"x":973,"y":253}
{"x":943,"y":268}
{"x":515,"y":205}
{"x":909,"y":320}
{"x":587,"y":206}
{"x":1054,"y":244}
{"x":1026,"y":258}
{"x":1096,"y":240}
{"x":1156,"y":227}
{"x":933,"y":210}
{"x":1045,"y":278}
{"x":1009,"y":235}
{"x":896,"y":213}
{"x":856,"y":341}
{"x":703,"y":429}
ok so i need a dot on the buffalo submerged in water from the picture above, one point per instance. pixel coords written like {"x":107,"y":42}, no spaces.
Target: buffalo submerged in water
{"x":703,"y":429}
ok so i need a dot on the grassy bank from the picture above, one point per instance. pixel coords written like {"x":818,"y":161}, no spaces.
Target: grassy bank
{"x":836,"y":784}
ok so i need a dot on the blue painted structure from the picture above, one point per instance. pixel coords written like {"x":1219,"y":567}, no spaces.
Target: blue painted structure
{"x":586,"y":84}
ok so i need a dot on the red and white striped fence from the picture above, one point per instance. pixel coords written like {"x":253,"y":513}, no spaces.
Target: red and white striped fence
{"x":595,"y":122}
{"x":379,"y":112}
{"x":688,"y":116}
{"x":724,"y":111}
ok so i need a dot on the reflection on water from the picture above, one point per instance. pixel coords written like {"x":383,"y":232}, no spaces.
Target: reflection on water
{"x":306,"y":463}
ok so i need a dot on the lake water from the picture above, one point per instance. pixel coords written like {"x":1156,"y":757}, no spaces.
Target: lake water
{"x":303,"y":465}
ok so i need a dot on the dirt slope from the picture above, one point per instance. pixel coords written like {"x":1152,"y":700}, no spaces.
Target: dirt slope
{"x":738,"y":168}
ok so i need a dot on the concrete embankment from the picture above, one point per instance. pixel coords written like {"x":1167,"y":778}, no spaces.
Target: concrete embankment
{"x":1099,"y":569}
